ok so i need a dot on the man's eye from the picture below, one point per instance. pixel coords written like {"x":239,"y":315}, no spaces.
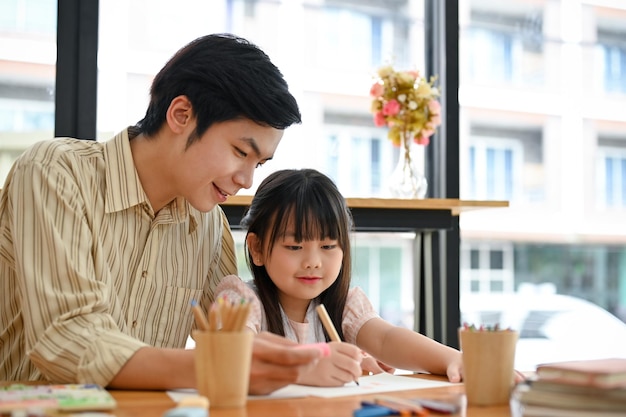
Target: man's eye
{"x":241,"y":153}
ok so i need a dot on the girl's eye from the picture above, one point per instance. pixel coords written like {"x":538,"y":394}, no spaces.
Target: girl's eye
{"x":329,"y":247}
{"x":292,"y":247}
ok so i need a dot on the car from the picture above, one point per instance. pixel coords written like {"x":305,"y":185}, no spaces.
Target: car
{"x":552,"y":327}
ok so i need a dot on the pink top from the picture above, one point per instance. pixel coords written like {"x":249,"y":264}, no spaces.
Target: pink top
{"x":357,"y":312}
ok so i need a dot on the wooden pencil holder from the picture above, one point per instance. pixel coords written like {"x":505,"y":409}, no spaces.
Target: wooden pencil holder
{"x":488,"y":365}
{"x":222,"y":362}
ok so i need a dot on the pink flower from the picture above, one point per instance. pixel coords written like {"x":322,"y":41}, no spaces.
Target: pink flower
{"x":377,"y":90}
{"x":379,"y":119}
{"x":434,"y":107}
{"x":422,"y":138}
{"x":415,"y":74}
{"x":391,"y":108}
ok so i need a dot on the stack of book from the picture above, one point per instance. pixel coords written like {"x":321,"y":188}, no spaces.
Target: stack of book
{"x":573,"y":389}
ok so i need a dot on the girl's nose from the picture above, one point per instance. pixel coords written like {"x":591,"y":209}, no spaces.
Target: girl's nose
{"x":312,"y":260}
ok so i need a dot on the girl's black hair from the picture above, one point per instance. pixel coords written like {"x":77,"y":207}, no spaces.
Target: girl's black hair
{"x":225,"y":77}
{"x":311,"y":202}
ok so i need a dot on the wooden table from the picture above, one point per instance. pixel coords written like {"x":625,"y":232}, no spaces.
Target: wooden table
{"x":155,"y":403}
{"x":434,"y":289}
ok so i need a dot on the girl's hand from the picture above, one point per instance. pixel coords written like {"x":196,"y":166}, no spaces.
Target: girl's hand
{"x":371,"y":366}
{"x":454,"y":371}
{"x":277,"y":362}
{"x":342,"y":366}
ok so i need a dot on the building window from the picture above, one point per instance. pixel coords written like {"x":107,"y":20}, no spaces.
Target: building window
{"x":504,"y":164}
{"x":505,"y":48}
{"x":28,"y":16}
{"x":495,"y":166}
{"x":352,"y":36}
{"x":487,"y":268}
{"x":612,"y":174}
{"x":613,"y":47}
{"x":356,"y":155}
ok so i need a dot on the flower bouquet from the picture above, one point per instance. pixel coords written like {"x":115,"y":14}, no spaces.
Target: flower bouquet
{"x":407,"y":104}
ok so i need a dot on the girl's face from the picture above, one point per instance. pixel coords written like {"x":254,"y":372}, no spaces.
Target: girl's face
{"x":300,"y":270}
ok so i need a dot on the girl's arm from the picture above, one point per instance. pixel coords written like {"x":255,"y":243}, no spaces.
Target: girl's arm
{"x":405,"y":349}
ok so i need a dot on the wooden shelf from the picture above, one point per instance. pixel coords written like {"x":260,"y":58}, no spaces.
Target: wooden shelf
{"x":387,"y":214}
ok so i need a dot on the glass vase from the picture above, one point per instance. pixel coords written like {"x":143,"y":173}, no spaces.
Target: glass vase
{"x":407,"y":179}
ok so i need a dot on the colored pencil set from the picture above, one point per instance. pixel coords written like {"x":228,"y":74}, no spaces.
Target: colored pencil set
{"x":224,"y":315}
{"x":482,"y":328}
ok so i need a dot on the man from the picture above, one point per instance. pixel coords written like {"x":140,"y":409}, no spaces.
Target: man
{"x":104,"y":245}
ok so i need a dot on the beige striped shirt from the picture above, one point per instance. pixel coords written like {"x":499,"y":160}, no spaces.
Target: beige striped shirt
{"x":88,"y":273}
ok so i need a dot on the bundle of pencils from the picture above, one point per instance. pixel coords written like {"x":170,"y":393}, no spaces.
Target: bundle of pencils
{"x":224,"y":315}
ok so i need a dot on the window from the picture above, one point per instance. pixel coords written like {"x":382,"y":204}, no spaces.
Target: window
{"x":612,"y":174}
{"x":488,"y":267}
{"x":356,"y":157}
{"x":27,"y":76}
{"x":349,"y":35}
{"x":495,"y":167}
{"x":613,"y":49}
{"x":504,"y":164}
{"x":558,"y":153}
{"x":28,"y":16}
{"x":504,"y":48}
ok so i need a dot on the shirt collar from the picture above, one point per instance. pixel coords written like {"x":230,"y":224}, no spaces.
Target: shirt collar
{"x":123,"y":186}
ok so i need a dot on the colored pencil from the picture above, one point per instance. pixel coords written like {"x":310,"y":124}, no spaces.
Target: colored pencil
{"x":328,"y":325}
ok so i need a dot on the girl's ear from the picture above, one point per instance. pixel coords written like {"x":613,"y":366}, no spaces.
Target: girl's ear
{"x":255,"y":249}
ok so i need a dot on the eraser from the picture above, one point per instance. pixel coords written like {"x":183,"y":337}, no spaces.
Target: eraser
{"x":322,"y":347}
{"x":187,"y":412}
{"x":192,"y":406}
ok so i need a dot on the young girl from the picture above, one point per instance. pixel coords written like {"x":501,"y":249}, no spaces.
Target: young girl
{"x":298,"y":248}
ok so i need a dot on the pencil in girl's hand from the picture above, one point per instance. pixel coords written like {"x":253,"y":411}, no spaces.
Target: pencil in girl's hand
{"x":199,"y":316}
{"x":328,"y":325}
{"x":327,"y":322}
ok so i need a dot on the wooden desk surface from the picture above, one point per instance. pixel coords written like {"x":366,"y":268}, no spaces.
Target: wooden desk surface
{"x":155,"y":403}
{"x":453,"y":204}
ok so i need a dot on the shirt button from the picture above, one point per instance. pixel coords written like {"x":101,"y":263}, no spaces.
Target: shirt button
{"x":144,"y":274}
{"x":134,"y":323}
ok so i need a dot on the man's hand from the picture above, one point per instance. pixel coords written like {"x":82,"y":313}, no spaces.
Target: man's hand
{"x":343,"y":365}
{"x":276,"y":363}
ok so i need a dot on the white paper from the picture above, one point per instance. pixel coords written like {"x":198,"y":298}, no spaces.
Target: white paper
{"x":373,"y":384}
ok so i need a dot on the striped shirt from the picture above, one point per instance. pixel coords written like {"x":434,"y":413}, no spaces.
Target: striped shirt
{"x":88,"y":272}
